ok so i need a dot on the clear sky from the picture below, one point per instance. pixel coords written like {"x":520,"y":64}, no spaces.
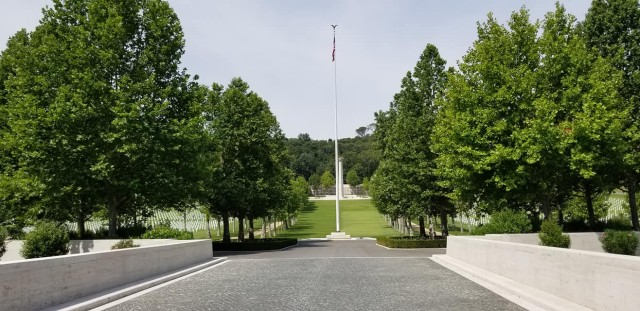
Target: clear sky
{"x":282,"y":48}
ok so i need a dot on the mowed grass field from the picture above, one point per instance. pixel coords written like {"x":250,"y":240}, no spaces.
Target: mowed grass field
{"x":358,"y":218}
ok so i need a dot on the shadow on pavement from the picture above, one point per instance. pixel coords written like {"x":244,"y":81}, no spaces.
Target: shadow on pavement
{"x":301,"y":244}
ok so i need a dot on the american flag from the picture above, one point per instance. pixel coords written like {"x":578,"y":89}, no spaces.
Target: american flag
{"x":333,"y":54}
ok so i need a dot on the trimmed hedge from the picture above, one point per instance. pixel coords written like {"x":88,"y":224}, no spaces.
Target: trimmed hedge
{"x":166,"y":232}
{"x":619,"y":242}
{"x":46,"y":239}
{"x":551,"y":235}
{"x":257,"y":245}
{"x":3,"y":237}
{"x":411,"y":242}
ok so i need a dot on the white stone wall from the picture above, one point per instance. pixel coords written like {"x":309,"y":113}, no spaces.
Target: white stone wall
{"x":585,"y":241}
{"x":597,"y":281}
{"x":81,"y":246}
{"x":35,"y":284}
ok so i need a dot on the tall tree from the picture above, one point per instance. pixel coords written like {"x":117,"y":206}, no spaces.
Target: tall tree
{"x":100,"y":108}
{"x":486,"y":104}
{"x":612,"y":27}
{"x":327,"y":180}
{"x":527,"y":117}
{"x":352,"y":178}
{"x":404,"y":135}
{"x":585,"y":91}
{"x":248,"y":156}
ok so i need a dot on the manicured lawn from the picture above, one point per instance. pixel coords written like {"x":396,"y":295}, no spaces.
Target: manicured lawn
{"x":358,"y":218}
{"x":202,"y":234}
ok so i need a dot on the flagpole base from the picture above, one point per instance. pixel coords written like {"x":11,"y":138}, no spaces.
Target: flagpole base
{"x":338,"y":236}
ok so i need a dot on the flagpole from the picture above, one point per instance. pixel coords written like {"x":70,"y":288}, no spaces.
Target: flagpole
{"x":335,"y":87}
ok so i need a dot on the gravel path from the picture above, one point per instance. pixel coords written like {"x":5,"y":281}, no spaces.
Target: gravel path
{"x":324,"y":275}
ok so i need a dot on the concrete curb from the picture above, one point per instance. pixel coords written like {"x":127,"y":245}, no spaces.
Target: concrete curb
{"x":105,"y":297}
{"x":520,"y":294}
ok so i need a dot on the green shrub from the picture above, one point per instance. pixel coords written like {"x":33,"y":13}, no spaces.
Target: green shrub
{"x":410,"y":242}
{"x":132,"y":231}
{"x":166,"y":232}
{"x":3,"y":237}
{"x":551,"y":235}
{"x":46,"y":239}
{"x":506,"y":221}
{"x":619,"y":242}
{"x":257,"y":245}
{"x":619,"y":224}
{"x":126,"y":243}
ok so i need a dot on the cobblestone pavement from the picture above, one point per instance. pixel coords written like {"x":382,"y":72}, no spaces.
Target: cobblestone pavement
{"x":324,"y":275}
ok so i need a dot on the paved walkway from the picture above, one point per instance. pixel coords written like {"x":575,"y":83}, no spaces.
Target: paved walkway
{"x":323,"y":275}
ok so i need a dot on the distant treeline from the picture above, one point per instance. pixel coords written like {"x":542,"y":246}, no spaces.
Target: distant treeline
{"x":309,"y":156}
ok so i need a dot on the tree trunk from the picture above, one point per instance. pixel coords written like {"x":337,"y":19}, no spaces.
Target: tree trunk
{"x":444,"y":222}
{"x":423,"y":231}
{"x":135,"y":218}
{"x":113,"y":217}
{"x":560,"y":217}
{"x":588,"y":196}
{"x":252,"y":237}
{"x":218,"y":225}
{"x":226,"y":235}
{"x":184,"y":219}
{"x":631,"y":188}
{"x":81,"y":227}
{"x":546,"y":208}
{"x":431,"y":232}
{"x":241,"y":228}
{"x":275,"y":226}
{"x":207,"y":217}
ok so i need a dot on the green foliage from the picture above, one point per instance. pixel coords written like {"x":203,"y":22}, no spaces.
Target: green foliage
{"x":507,"y":221}
{"x":166,"y":232}
{"x":366,"y":184}
{"x":100,"y":111}
{"x":3,"y":237}
{"x":310,"y":157}
{"x":575,"y":208}
{"x":410,"y":242}
{"x":327,"y":180}
{"x":551,"y":235}
{"x":46,"y":239}
{"x":619,"y":242}
{"x":127,"y":243}
{"x":352,"y":178}
{"x":298,"y":198}
{"x":244,"y":169}
{"x":619,"y":223}
{"x":132,"y":231}
{"x":314,"y":182}
{"x":611,"y":28}
{"x":256,"y":245}
{"x":405,"y":183}
{"x":531,"y":116}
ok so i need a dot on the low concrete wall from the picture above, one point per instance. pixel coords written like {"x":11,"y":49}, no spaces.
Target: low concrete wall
{"x":35,"y":284}
{"x":595,"y":280}
{"x":82,"y":246}
{"x":585,"y":241}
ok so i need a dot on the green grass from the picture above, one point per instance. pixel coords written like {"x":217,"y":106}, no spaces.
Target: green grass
{"x":358,"y":218}
{"x":202,"y":234}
